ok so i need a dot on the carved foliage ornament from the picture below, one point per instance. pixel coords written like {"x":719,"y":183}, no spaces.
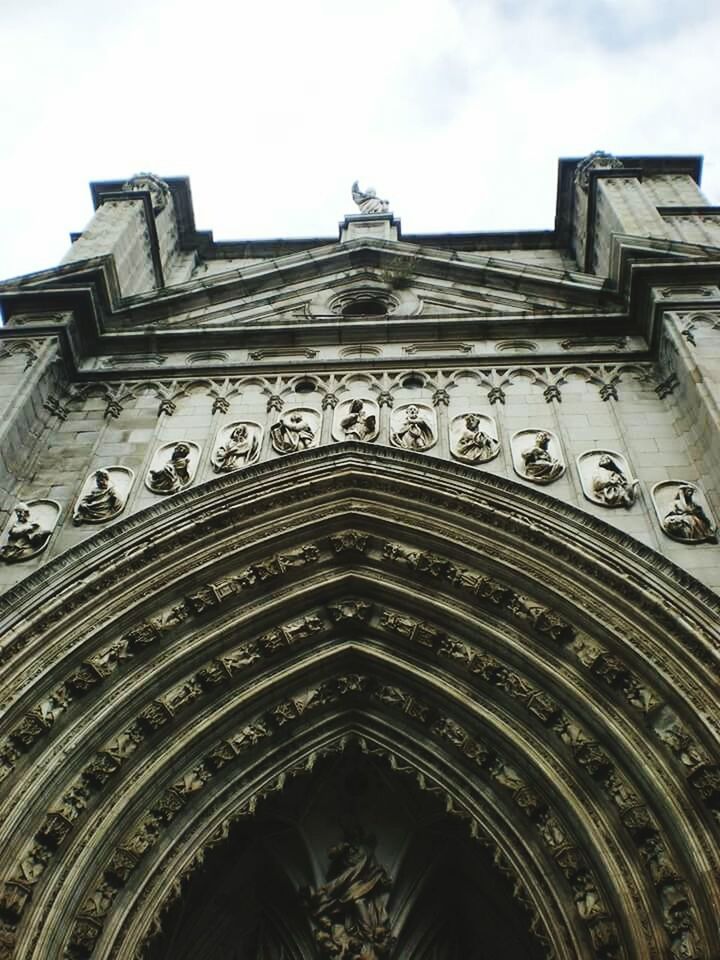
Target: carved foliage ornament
{"x":238,"y":445}
{"x":173,"y":467}
{"x":537,"y":456}
{"x":29,"y":530}
{"x":606,"y":478}
{"x":683,"y":512}
{"x":103,"y":495}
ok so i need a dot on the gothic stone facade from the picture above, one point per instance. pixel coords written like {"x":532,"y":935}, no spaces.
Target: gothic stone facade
{"x":360,"y":593}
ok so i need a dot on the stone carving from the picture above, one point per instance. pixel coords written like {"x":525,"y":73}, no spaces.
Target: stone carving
{"x":349,"y":912}
{"x":28,"y":533}
{"x":537,"y":456}
{"x":104,"y":495}
{"x":598,"y":160}
{"x":157,"y":188}
{"x":368,"y":200}
{"x":606,"y":478}
{"x":356,"y":419}
{"x":473,"y":438}
{"x":238,"y":445}
{"x":173,"y":467}
{"x":682,"y":512}
{"x":298,"y":429}
{"x":412,"y":426}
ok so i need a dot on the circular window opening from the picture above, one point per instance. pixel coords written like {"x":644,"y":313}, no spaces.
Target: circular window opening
{"x":304,"y":386}
{"x":365,"y":307}
{"x":413,"y":382}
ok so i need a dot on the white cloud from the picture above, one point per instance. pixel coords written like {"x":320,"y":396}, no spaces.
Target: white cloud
{"x":457,"y":111}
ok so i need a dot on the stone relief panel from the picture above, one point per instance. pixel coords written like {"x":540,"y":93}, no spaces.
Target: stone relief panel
{"x":683,"y":512}
{"x":474,"y":438}
{"x":537,"y":455}
{"x":413,"y":426}
{"x":298,"y":429}
{"x":103,"y":495}
{"x":606,"y":478}
{"x":238,"y":445}
{"x":29,"y":530}
{"x":173,"y":467}
{"x":356,"y":419}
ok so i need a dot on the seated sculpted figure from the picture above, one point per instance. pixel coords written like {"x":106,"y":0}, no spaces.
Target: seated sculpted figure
{"x":102,"y":503}
{"x":238,"y":451}
{"x":368,"y":200}
{"x":358,"y":425}
{"x":292,"y":433}
{"x":473,"y":443}
{"x":175,"y":474}
{"x":610,"y":484}
{"x":539,"y":463}
{"x":25,"y":537}
{"x":686,"y":519}
{"x":415,"y":433}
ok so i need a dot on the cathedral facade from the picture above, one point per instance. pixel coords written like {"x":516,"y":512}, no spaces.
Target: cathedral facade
{"x":360,"y":594}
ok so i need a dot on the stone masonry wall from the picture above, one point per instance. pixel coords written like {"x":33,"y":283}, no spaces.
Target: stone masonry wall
{"x":662,"y":438}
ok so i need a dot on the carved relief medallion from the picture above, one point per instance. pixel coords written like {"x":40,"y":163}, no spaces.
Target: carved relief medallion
{"x":28,"y":532}
{"x":173,"y":467}
{"x":297,"y":429}
{"x":237,"y":446}
{"x":356,"y":419}
{"x":606,"y":478}
{"x":537,"y":456}
{"x":683,"y":512}
{"x":103,"y":495}
{"x":473,"y":438}
{"x":413,"y":426}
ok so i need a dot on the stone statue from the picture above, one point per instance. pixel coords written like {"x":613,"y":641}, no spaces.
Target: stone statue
{"x":157,"y":188}
{"x":415,"y":433}
{"x":348,"y":912}
{"x":101,"y":503}
{"x":610,"y":485}
{"x":473,"y":443}
{"x":25,"y":538}
{"x":240,"y":449}
{"x":686,"y":520}
{"x":358,"y":424}
{"x":368,"y":201}
{"x":291,"y":433}
{"x":175,"y":473}
{"x":539,"y":463}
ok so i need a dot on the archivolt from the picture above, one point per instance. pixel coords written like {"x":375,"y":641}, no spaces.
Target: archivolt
{"x":553,"y":680}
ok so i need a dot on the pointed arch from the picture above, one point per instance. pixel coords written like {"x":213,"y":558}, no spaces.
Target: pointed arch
{"x":551,"y":679}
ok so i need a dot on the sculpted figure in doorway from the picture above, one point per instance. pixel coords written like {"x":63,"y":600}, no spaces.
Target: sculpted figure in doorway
{"x":348,"y":911}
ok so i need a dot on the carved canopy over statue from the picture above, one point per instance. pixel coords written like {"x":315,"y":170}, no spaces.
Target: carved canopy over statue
{"x":349,"y":912}
{"x":368,"y":200}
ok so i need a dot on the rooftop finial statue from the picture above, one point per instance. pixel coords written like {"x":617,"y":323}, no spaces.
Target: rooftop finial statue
{"x":368,"y":200}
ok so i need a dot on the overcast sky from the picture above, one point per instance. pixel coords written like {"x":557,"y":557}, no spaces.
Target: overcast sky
{"x":456,"y":110}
